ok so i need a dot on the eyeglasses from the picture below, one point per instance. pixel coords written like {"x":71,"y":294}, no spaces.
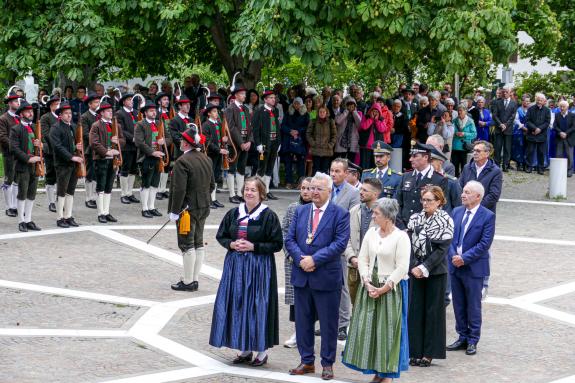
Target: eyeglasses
{"x":315,"y":188}
{"x":427,"y":200}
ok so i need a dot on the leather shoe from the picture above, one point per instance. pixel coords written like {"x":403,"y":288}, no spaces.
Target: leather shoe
{"x":529,"y":169}
{"x":540,"y":171}
{"x":235,"y":199}
{"x":471,"y":349}
{"x":125,"y":200}
{"x":327,"y":373}
{"x":147,"y":214}
{"x":155,"y":213}
{"x":272,"y":197}
{"x":62,"y":223}
{"x":243,"y":359}
{"x":72,"y":222}
{"x":22,"y":227}
{"x":219,"y":204}
{"x":159,"y":196}
{"x":32,"y":226}
{"x":91,"y":204}
{"x":133,"y":199}
{"x":213,"y":205}
{"x":181,"y":286}
{"x":102,"y":219}
{"x":303,"y":369}
{"x":110,"y":218}
{"x":12,"y":212}
{"x":457,"y":345}
{"x":342,"y":334}
{"x":52,"y":207}
{"x":259,"y":363}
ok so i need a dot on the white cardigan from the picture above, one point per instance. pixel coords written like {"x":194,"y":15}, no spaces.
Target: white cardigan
{"x":393,"y":254}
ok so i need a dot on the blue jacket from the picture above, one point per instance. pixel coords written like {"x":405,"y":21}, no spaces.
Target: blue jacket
{"x":476,"y":242}
{"x":295,"y":121}
{"x":329,"y":243}
{"x":490,"y":177}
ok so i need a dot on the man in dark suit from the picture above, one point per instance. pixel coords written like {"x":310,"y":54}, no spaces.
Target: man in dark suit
{"x":564,"y":127}
{"x":469,"y":264}
{"x":503,"y":113}
{"x":537,"y":121}
{"x":317,"y":237}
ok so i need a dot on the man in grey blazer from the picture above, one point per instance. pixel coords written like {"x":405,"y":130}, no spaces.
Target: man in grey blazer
{"x":503,"y":111}
{"x":345,"y":196}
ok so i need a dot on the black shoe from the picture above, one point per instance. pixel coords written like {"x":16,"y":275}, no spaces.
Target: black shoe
{"x":147,"y":214}
{"x":457,"y":345}
{"x":52,"y":207}
{"x":271,"y":197}
{"x":181,"y":286}
{"x":125,"y":200}
{"x":166,"y":195}
{"x":110,"y":218}
{"x":133,"y":199}
{"x":342,"y":334}
{"x":102,"y":219}
{"x":155,"y":213}
{"x":22,"y":227}
{"x":529,"y":169}
{"x":235,"y":199}
{"x":213,"y":205}
{"x":218,"y":203}
{"x":570,"y":173}
{"x":471,"y":349}
{"x":243,"y":359}
{"x":259,"y":363}
{"x":62,"y":223}
{"x":540,"y":171}
{"x":91,"y":204}
{"x":12,"y":212}
{"x":159,"y":196}
{"x":317,"y":332}
{"x":32,"y":226}
{"x":72,"y":222}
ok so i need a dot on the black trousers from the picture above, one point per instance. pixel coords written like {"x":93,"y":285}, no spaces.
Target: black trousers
{"x":540,"y":148}
{"x":27,"y":183}
{"x":458,"y":158}
{"x":266,"y":166}
{"x":502,"y":142}
{"x":90,"y":168}
{"x":564,"y":150}
{"x":150,"y":172}
{"x":8,"y":161}
{"x":50,"y":169}
{"x":321,"y":164}
{"x":239,"y":166}
{"x":66,"y":180}
{"x":195,"y":238}
{"x":217,"y":166}
{"x":289,"y":159}
{"x":105,"y":175}
{"x":129,"y":164}
{"x":426,"y":317}
{"x":366,"y":159}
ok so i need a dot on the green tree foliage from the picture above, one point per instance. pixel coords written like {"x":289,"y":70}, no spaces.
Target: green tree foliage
{"x":552,"y":84}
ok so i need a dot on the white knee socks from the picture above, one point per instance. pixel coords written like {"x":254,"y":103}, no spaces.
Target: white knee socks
{"x":28,"y":210}
{"x":267,"y":183}
{"x":100,"y":203}
{"x":130,"y":187}
{"x":124,"y":186}
{"x":51,"y":193}
{"x":14,"y":196}
{"x":21,"y":206}
{"x":60,"y":207}
{"x":163,"y":182}
{"x":152,"y":198}
{"x":189,"y":260}
{"x":240,"y":184}
{"x":200,"y":255}
{"x":144,"y":196}
{"x":68,"y":204}
{"x":230,"y":181}
{"x":107,"y":199}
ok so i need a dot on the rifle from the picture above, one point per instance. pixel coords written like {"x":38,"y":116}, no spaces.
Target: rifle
{"x":79,"y":139}
{"x":39,"y":166}
{"x":164,"y":148}
{"x":117,"y":161}
{"x":226,"y":159}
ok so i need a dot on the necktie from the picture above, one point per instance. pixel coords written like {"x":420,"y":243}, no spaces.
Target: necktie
{"x":380,"y":174}
{"x":506,"y":103}
{"x":462,"y":230}
{"x":315,"y":220}
{"x":418,"y":178}
{"x":335,"y":193}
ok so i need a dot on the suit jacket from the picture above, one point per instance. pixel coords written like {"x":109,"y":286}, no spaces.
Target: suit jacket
{"x":87,"y":119}
{"x":232,"y":115}
{"x":143,"y":139}
{"x":192,"y":182}
{"x":261,"y":126}
{"x":47,"y":122}
{"x":177,"y":127}
{"x":329,"y":243}
{"x":490,"y":177}
{"x":211,"y":133}
{"x":503,"y":115}
{"x":537,"y":118}
{"x":347,"y":197}
{"x":63,"y":141}
{"x":99,"y":139}
{"x":570,"y":123}
{"x":126,"y":120}
{"x":6,"y":124}
{"x":19,"y":147}
{"x":476,"y":242}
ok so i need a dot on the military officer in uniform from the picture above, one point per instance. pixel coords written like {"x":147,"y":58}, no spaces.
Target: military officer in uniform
{"x":390,"y":179}
{"x":190,"y":189}
{"x":409,"y":193}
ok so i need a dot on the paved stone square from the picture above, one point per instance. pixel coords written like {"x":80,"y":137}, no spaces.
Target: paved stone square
{"x":94,"y":304}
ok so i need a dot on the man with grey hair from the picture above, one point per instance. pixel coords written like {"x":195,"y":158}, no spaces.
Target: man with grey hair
{"x":537,"y":122}
{"x":469,"y":264}
{"x":439,"y":143}
{"x":564,"y":127}
{"x":503,"y":112}
{"x":430,"y":113}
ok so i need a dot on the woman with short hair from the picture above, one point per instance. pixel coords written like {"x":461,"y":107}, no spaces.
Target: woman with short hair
{"x":464,"y":135}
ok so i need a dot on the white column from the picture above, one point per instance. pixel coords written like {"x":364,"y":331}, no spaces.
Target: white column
{"x":558,"y":178}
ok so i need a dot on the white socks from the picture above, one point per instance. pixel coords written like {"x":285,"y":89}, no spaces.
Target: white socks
{"x":107,"y":198}
{"x":213,"y":195}
{"x":200,"y":255}
{"x":144,"y":196}
{"x":267,"y":183}
{"x":90,"y":187}
{"x":51,"y":193}
{"x":189,"y":260}
{"x":230,"y":181}
{"x":163,"y":182}
{"x":240,"y":185}
{"x":130,"y":187}
{"x":7,"y":196}
{"x":124,"y":186}
{"x":60,"y":207}
{"x":68,"y":204}
{"x":29,"y":204}
{"x":14,"y":196}
{"x":21,"y":206}
{"x":152,"y":198}
{"x":100,"y":203}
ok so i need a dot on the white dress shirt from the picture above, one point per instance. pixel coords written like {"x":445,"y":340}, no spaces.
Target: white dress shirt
{"x":473,"y":211}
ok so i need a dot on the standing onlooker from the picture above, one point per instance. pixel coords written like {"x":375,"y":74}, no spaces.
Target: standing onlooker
{"x":348,"y":122}
{"x":375,"y":126}
{"x":469,"y":264}
{"x":503,"y":113}
{"x":464,"y":135}
{"x":431,"y":232}
{"x":400,"y":120}
{"x":334,"y":106}
{"x":564,"y":127}
{"x":294,"y":147}
{"x":445,"y":129}
{"x":304,"y":198}
{"x":317,"y":237}
{"x":537,"y":122}
{"x":453,"y":192}
{"x":360,"y":221}
{"x":246,"y":308}
{"x":321,"y":135}
{"x":389,"y":178}
{"x":483,"y":121}
{"x":426,"y":114}
{"x":437,"y":141}
{"x":519,"y":130}
{"x":378,"y":341}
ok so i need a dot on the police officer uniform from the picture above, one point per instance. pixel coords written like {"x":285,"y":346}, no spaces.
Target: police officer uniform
{"x":390,"y":179}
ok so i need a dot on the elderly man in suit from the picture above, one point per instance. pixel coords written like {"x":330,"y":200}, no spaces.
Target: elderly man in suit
{"x":316,"y":240}
{"x":564,"y":127}
{"x":503,"y":114}
{"x":345,"y":196}
{"x":537,"y":121}
{"x":469,"y":264}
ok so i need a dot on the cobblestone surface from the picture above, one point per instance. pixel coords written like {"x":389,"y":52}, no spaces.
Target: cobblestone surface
{"x":564,"y":303}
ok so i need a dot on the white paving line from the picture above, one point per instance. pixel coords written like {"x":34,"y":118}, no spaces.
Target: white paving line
{"x":535,"y":202}
{"x":543,"y":241}
{"x":191,"y":302}
{"x":77,"y":294}
{"x":550,"y":293}
{"x":41,"y":233}
{"x":281,"y":376}
{"x":165,"y":377}
{"x":568,"y":379}
{"x":63,"y":333}
{"x":153,"y":320}
{"x":145,"y":227}
{"x":546,"y":311}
